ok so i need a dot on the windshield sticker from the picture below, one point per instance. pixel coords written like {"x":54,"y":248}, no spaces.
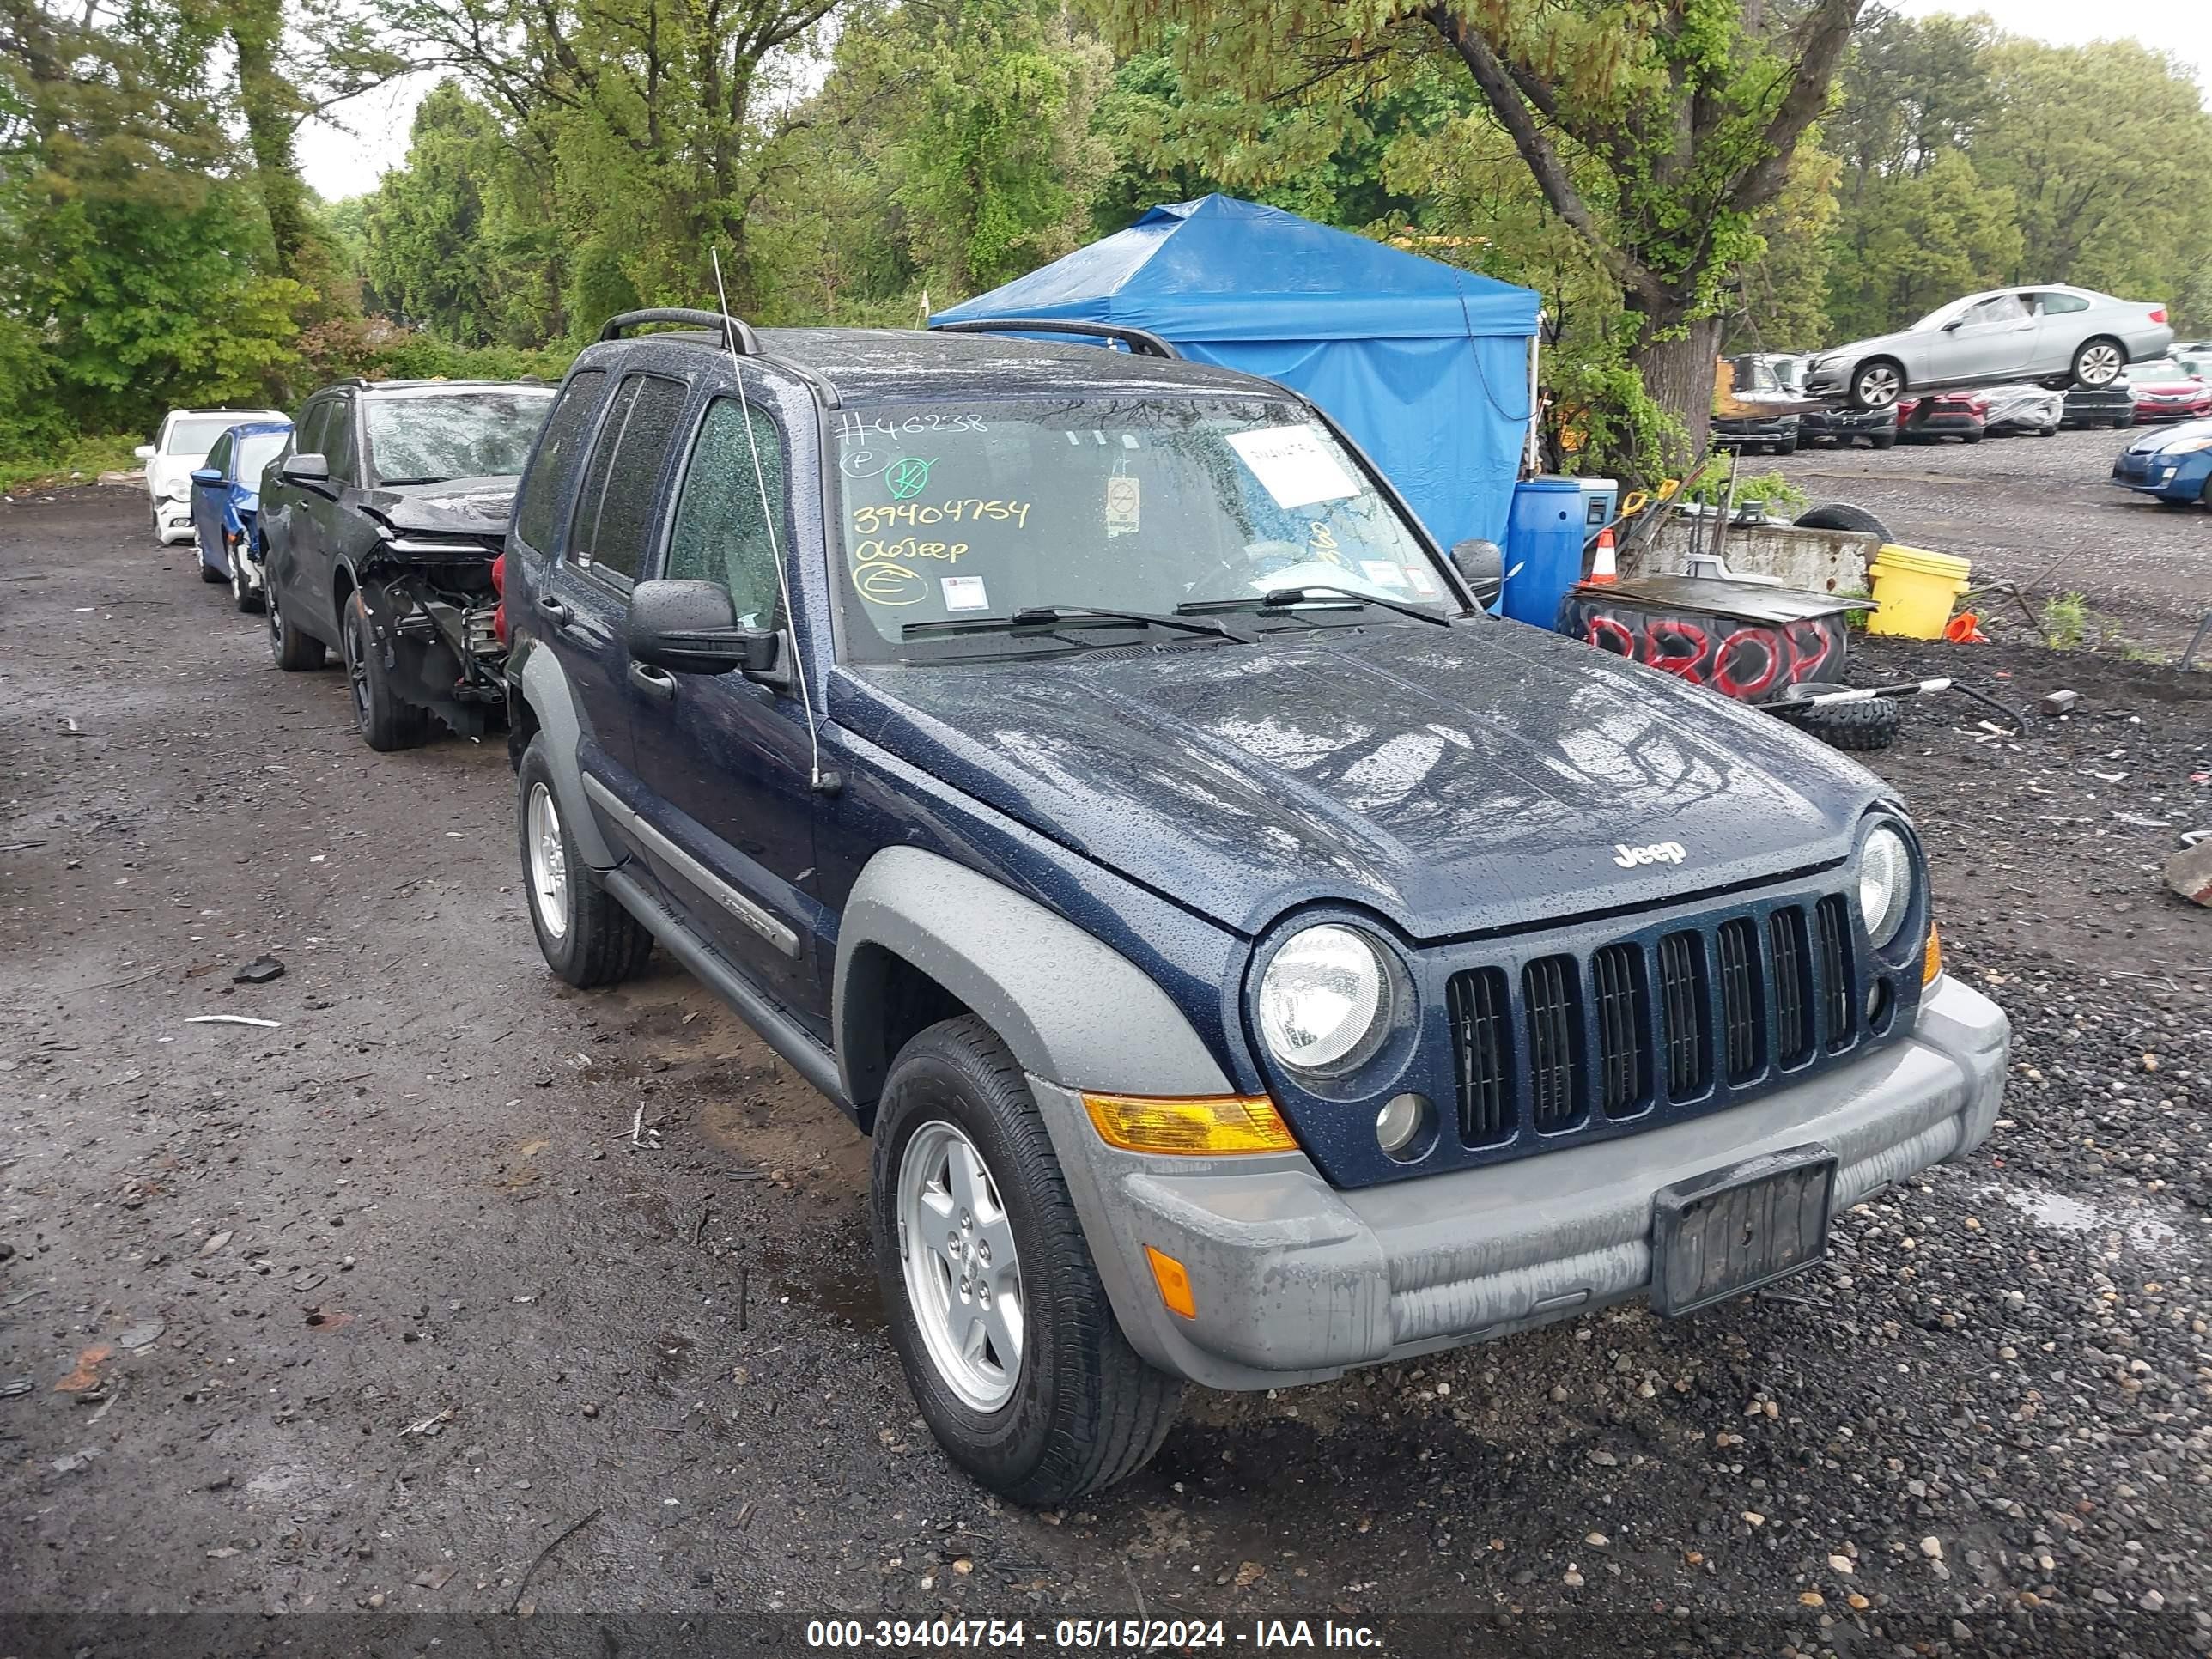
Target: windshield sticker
{"x":1423,"y":583}
{"x":867,"y":520}
{"x":1121,"y":505}
{"x":909,"y":478}
{"x":964,"y":594}
{"x":890,"y":584}
{"x":1383,"y":574}
{"x":1293,"y":465}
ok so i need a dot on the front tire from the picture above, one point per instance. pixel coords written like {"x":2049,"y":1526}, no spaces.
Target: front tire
{"x":1018,"y":1366}
{"x":244,"y":595}
{"x":2098,"y":363}
{"x":1877,"y":384}
{"x":292,"y":650}
{"x":384,"y":720}
{"x":583,"y":933}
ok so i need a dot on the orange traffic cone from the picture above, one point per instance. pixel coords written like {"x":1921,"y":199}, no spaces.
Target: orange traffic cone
{"x":1607,"y":567}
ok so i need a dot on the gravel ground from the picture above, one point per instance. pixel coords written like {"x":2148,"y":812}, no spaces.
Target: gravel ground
{"x":2033,"y":510}
{"x":364,"y":1312}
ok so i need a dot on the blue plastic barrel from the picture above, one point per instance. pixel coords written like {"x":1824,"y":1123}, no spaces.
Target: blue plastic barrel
{"x":1543,"y":548}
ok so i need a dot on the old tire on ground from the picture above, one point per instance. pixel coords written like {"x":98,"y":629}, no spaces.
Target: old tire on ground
{"x":1860,"y":729}
{"x":386,"y":721}
{"x":584,"y":933}
{"x":2098,"y":363}
{"x":963,"y":1176}
{"x":1841,"y":515}
{"x":292,"y":649}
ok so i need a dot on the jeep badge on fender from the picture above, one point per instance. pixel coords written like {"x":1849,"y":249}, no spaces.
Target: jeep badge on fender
{"x":1659,"y":852}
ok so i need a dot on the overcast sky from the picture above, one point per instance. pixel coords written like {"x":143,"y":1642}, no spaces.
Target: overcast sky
{"x":339,"y":162}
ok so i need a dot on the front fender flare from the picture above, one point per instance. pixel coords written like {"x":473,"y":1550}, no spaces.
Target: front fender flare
{"x":1073,"y":1011}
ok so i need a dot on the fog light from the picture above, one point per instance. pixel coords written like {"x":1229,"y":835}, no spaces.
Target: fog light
{"x":1400,"y":1122}
{"x":1878,"y":1003}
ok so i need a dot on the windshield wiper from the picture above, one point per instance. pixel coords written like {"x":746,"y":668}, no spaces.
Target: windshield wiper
{"x":1046,"y":617}
{"x":402,"y":483}
{"x":1282,"y":598}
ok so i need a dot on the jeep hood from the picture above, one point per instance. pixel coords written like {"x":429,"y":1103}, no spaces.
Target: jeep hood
{"x":1485,"y":776}
{"x":452,"y":507}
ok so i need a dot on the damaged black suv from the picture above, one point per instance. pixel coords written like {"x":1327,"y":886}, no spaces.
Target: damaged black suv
{"x":379,"y":525}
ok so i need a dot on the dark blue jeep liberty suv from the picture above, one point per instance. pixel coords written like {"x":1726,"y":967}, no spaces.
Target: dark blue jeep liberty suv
{"x":1250,"y":960}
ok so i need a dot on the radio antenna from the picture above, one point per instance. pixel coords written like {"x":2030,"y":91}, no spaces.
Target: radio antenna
{"x":821,"y":782}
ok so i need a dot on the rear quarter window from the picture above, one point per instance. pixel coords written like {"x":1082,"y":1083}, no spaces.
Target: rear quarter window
{"x":545,"y":485}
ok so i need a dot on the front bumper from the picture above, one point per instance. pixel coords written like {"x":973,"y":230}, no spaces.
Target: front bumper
{"x":1295,"y":1281}
{"x":172,"y":518}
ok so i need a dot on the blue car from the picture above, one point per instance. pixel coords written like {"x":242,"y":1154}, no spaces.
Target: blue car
{"x":2173,"y":463}
{"x":225,"y":497}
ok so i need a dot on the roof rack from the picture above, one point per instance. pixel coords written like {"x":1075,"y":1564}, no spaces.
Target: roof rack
{"x":1141,"y":341}
{"x":748,"y":343}
{"x":629,"y":321}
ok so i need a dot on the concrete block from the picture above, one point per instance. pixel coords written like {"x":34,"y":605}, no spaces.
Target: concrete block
{"x":1813,"y":561}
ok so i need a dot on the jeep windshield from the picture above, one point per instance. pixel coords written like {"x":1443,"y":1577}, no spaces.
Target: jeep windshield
{"x":1008,"y":514}
{"x":427,"y":439}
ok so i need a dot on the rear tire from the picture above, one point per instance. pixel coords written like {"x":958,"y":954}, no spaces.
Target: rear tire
{"x":208,"y":574}
{"x":1081,"y":1409}
{"x":2098,"y":363}
{"x":586,"y":936}
{"x":293,"y":650}
{"x":386,"y":721}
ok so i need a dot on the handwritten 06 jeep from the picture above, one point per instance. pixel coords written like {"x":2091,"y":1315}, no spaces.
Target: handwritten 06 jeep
{"x":1249,"y":960}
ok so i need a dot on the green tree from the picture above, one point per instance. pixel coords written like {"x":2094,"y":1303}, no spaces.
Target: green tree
{"x":1922,"y":238}
{"x":1657,"y":131}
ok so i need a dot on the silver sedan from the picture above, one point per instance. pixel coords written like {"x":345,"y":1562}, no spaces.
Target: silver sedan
{"x":2058,"y":335}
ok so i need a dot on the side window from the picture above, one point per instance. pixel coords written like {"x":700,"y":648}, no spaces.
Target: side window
{"x":307,"y":436}
{"x":339,"y":443}
{"x":614,"y":514}
{"x":545,"y":486}
{"x":721,"y":532}
{"x":2060,"y":305}
{"x":219,"y":457}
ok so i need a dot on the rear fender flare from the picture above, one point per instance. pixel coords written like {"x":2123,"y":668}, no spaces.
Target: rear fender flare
{"x":561,"y":724}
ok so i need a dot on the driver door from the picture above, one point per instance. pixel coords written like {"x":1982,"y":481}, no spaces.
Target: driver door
{"x":1992,"y":342}
{"x":206,"y":502}
{"x":723,"y":761}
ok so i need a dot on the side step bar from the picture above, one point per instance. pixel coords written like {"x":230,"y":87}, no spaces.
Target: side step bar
{"x":777,"y":1029}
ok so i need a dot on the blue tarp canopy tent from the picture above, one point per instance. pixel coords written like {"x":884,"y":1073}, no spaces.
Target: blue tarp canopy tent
{"x":1424,"y":365}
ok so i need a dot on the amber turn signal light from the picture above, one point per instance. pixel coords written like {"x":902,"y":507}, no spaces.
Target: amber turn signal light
{"x":1174,"y":1281}
{"x":1205,"y":1127}
{"x":1932,"y":964}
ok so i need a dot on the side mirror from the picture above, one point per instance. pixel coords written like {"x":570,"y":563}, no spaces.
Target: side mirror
{"x":306,"y":469}
{"x":1954,"y":324}
{"x":144,"y":452}
{"x":207,"y":475}
{"x":688,"y":628}
{"x":1481,"y":566}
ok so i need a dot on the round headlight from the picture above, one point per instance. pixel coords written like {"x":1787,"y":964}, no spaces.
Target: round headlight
{"x":1885,"y":885}
{"x":179,"y":488}
{"x":1323,"y":996}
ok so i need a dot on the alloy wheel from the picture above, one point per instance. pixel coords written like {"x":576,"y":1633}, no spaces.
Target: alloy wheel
{"x":357,"y":663}
{"x":963,"y":1274}
{"x":1879,"y":387}
{"x":2099,"y":365}
{"x":548,"y":863}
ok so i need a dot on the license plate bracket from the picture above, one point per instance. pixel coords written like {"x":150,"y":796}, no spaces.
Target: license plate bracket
{"x":1733,"y":1230}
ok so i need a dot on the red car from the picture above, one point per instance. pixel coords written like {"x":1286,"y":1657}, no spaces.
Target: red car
{"x":2164,"y":391}
{"x":1961,"y":414}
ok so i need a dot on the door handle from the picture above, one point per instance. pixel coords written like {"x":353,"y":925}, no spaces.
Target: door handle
{"x":653,"y":682}
{"x":552,"y":607}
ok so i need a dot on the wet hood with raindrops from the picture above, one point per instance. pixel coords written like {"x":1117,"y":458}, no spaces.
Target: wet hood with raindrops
{"x":1453,"y":781}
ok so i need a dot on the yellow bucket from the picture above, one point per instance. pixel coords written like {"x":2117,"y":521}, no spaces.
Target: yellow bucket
{"x":1916,"y":589}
